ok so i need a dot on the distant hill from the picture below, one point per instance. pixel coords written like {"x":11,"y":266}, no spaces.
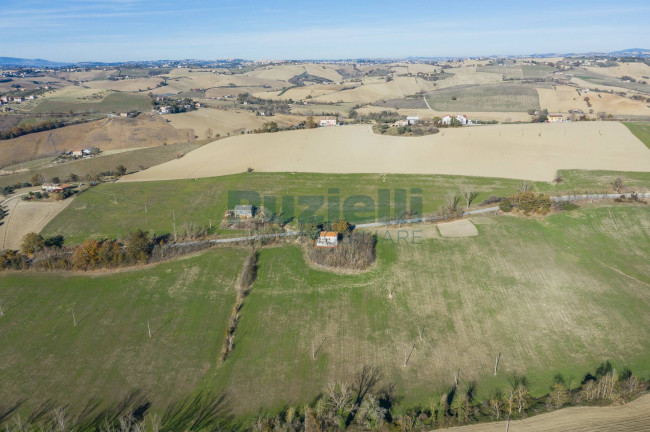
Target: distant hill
{"x":15,"y":61}
{"x":632,"y":52}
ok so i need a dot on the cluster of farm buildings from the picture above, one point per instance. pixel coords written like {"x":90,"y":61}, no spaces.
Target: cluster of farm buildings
{"x":92,"y":151}
{"x":15,"y":99}
{"x":56,"y":187}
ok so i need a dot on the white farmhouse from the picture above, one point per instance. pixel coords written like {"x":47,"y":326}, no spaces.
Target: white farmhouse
{"x":327,"y":122}
{"x":461,"y":118}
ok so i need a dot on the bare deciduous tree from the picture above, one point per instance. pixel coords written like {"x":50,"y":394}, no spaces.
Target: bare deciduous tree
{"x":469,"y":194}
{"x":617,"y":184}
{"x":521,"y":395}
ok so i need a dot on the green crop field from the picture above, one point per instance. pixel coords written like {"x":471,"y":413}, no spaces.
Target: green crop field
{"x":484,"y":98}
{"x":508,"y":72}
{"x":549,"y":294}
{"x":536,"y":71}
{"x":641,"y":130}
{"x":114,"y":102}
{"x":109,"y":210}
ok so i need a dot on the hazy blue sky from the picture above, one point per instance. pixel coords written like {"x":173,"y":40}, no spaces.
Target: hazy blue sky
{"x":108,"y":30}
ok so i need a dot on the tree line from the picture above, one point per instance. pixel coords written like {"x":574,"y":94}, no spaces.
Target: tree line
{"x":364,"y":403}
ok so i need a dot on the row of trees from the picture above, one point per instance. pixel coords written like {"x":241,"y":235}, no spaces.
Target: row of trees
{"x":25,"y":129}
{"x":50,"y":254}
{"x":363,"y":405}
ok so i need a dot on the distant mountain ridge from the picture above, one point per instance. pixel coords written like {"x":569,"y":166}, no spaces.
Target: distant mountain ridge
{"x":23,"y":62}
{"x":15,"y":61}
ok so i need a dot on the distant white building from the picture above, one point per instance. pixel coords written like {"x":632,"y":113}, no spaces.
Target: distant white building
{"x":327,"y":122}
{"x":446,"y":120}
{"x":552,"y":118}
{"x":165,"y":110}
{"x":412,"y":120}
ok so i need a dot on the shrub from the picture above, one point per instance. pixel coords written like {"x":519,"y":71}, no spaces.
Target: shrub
{"x":138,"y":246}
{"x":32,"y":243}
{"x":492,"y":199}
{"x":566,"y":205}
{"x":528,"y":202}
{"x":55,"y":241}
{"x":505,"y":205}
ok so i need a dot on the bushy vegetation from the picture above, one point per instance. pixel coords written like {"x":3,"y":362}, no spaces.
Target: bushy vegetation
{"x":529,"y":202}
{"x":355,"y":251}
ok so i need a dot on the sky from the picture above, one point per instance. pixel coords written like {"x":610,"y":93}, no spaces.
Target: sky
{"x":131,"y":30}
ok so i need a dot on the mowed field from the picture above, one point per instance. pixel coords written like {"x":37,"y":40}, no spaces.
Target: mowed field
{"x":528,"y":151}
{"x":548,"y":294}
{"x":631,"y":417}
{"x":226,"y":122}
{"x":25,"y":217}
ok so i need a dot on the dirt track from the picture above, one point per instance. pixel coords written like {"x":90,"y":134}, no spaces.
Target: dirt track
{"x":634,"y":416}
{"x":530,"y":151}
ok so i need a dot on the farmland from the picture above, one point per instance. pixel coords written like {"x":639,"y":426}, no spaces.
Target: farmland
{"x":484,"y":98}
{"x":146,"y":130}
{"x":535,"y":152}
{"x":632,"y":417}
{"x":110,"y":102}
{"x":132,"y":159}
{"x":95,"y":214}
{"x":186,"y":303}
{"x":548,"y":294}
{"x":641,"y":130}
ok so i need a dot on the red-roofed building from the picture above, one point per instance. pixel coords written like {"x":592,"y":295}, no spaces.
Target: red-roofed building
{"x":328,"y":239}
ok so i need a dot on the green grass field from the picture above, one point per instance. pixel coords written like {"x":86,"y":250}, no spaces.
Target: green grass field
{"x":508,"y":72}
{"x":536,"y":71}
{"x":641,"y":130}
{"x":114,"y":102}
{"x":44,"y":356}
{"x":484,"y":98}
{"x":95,"y":214}
{"x":559,"y":294}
